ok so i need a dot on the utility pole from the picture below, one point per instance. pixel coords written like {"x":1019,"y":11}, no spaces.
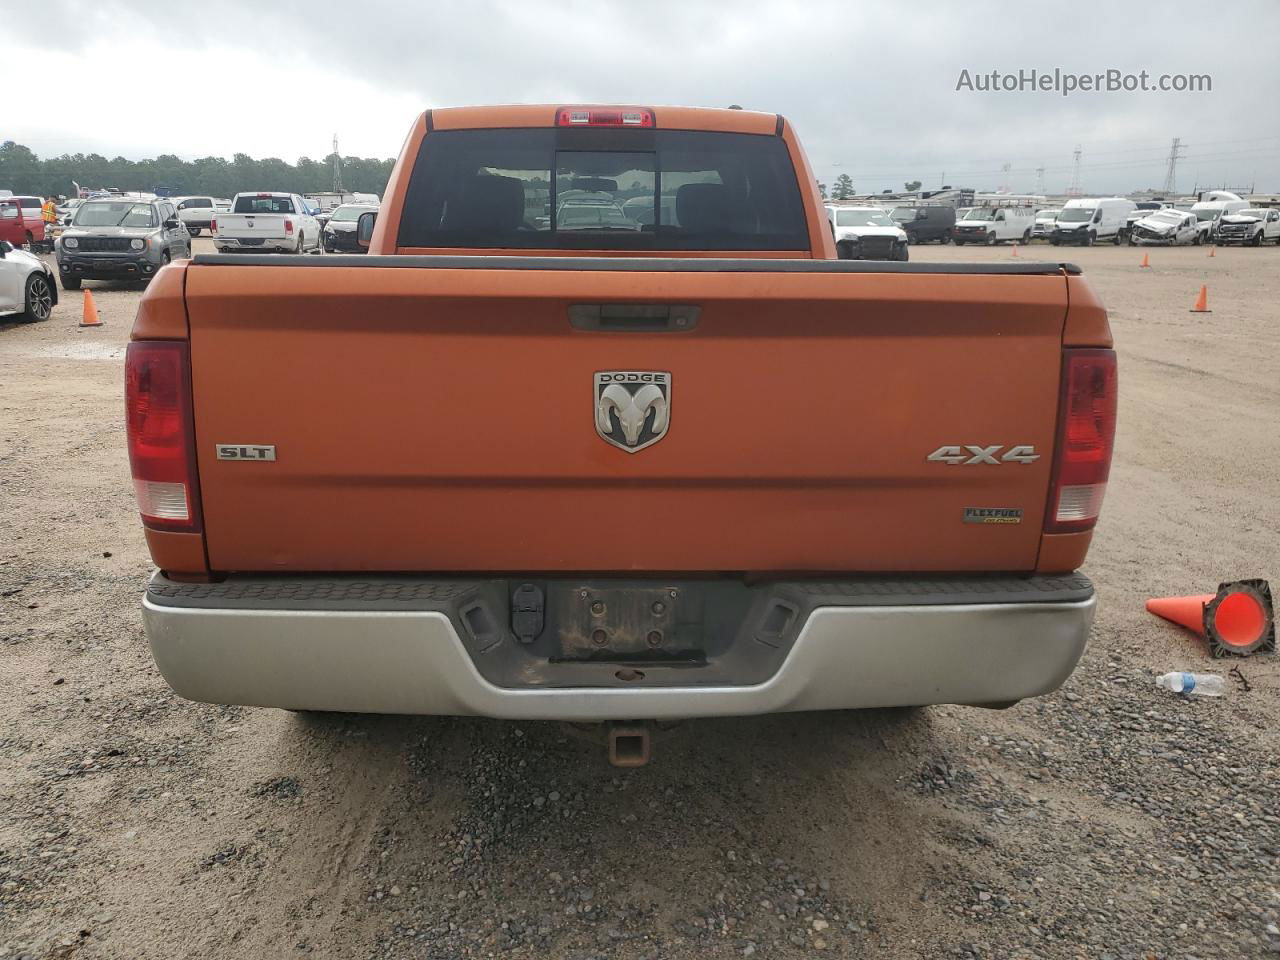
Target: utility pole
{"x":1074,"y":189}
{"x":337,"y":166}
{"x":1170,"y":175}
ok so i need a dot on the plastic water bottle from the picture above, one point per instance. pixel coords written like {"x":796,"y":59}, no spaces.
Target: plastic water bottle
{"x":1202,"y":684}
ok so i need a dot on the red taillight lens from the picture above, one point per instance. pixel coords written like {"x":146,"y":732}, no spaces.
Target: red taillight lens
{"x":586,"y":117}
{"x":158,"y":424}
{"x":1086,"y":438}
{"x":213,"y":225}
{"x":288,"y":227}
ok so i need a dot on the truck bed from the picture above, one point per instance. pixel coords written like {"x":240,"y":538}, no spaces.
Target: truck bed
{"x":436,"y":413}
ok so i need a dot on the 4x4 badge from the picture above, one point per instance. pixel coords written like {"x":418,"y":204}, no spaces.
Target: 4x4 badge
{"x":632,"y":407}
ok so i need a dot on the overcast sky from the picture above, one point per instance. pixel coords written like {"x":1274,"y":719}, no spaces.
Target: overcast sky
{"x":871,"y":87}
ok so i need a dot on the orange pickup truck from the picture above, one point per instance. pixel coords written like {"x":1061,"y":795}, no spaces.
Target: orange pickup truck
{"x":602,"y":430}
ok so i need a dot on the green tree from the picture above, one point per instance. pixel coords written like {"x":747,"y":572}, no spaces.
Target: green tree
{"x":912,"y":186}
{"x":843,"y":187}
{"x":822,"y":190}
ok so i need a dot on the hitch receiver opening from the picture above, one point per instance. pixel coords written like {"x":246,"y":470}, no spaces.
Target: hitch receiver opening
{"x":629,"y":745}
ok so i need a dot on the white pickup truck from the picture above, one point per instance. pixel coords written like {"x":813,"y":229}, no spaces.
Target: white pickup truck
{"x":265,"y":222}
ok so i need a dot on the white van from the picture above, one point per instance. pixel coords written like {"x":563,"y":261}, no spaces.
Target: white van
{"x":991,"y":223}
{"x":1213,"y":206}
{"x":1086,"y":221}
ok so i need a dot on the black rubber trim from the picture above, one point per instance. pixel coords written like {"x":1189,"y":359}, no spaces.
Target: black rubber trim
{"x":310,"y":593}
{"x":633,"y":264}
{"x":430,"y":124}
{"x":400,"y":593}
{"x":779,"y":126}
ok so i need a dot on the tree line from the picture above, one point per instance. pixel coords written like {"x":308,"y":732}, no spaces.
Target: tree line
{"x":21,"y":171}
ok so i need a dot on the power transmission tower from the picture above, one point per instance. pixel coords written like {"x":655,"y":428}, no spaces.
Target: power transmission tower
{"x":337,"y":166}
{"x":1074,"y":189}
{"x":1040,"y":187}
{"x":1170,"y":175}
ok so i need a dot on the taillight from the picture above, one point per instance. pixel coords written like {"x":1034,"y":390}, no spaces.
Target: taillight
{"x":1086,"y":438}
{"x":588,"y":117}
{"x":161,"y":437}
{"x":288,"y":227}
{"x":213,"y":225}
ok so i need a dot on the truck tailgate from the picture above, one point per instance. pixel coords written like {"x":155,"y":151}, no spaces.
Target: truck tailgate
{"x":439,"y":414}
{"x":266,"y":226}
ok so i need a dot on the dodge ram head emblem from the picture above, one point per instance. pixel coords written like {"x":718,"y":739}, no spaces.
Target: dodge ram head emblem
{"x":632,"y":407}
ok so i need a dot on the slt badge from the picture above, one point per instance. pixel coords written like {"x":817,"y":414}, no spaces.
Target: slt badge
{"x":632,"y":407}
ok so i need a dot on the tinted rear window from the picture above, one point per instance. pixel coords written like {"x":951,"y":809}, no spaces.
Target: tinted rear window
{"x":263,"y":205}
{"x":603,"y":189}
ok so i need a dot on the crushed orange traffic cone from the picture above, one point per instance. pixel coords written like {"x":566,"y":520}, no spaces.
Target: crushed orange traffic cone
{"x":90,"y":317}
{"x":1237,"y":619}
{"x":1213,"y":251}
{"x":1146,"y":260}
{"x":1202,"y":301}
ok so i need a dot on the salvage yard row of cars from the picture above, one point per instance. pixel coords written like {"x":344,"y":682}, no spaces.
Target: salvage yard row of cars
{"x":118,"y":236}
{"x":868,"y":231}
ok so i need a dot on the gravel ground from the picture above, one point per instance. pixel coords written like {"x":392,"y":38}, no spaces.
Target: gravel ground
{"x":1110,"y":819}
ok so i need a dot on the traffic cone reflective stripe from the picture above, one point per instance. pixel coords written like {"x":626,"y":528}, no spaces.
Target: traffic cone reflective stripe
{"x":90,"y":316}
{"x":1237,"y":619}
{"x":1146,"y":260}
{"x":1202,"y":301}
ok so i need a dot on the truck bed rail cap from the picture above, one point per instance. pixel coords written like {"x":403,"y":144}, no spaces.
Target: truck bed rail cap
{"x":633,"y":264}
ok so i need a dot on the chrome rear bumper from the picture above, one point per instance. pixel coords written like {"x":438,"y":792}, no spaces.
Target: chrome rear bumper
{"x":415,"y":662}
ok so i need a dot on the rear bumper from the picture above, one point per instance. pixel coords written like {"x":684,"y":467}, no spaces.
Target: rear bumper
{"x":266,"y":244}
{"x":401,"y":654}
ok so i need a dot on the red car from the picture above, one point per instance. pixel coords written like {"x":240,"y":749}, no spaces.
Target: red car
{"x":20,"y":222}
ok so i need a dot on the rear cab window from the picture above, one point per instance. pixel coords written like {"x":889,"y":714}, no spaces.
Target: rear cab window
{"x":603,"y":189}
{"x":263,"y":204}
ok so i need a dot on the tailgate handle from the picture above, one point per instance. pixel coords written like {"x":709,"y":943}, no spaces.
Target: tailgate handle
{"x":633,"y":317}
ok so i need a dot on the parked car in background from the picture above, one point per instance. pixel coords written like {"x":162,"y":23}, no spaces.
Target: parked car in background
{"x":222,"y":204}
{"x":120,"y":239}
{"x":1211,"y":211}
{"x":1044,"y":221}
{"x":195,"y":213}
{"x":15,"y":228}
{"x":1253,"y":226}
{"x":267,"y":222}
{"x":926,"y":222}
{"x":996,"y":224}
{"x":867,"y":233}
{"x":67,"y":209}
{"x":27,"y":289}
{"x":1088,"y":220}
{"x":1143,"y":208}
{"x":340,"y":231}
{"x":1165,"y":228}
{"x":32,"y":218}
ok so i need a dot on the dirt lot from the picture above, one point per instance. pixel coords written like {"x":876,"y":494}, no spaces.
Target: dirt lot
{"x":1110,"y":819}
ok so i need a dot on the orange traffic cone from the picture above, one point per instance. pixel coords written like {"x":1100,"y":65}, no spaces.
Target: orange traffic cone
{"x":1015,"y":249}
{"x":1146,"y":260}
{"x":1213,"y":251}
{"x":1237,"y":619}
{"x":90,"y":317}
{"x":1202,"y":301}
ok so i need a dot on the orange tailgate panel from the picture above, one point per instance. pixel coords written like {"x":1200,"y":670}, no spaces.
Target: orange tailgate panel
{"x":442,"y":420}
